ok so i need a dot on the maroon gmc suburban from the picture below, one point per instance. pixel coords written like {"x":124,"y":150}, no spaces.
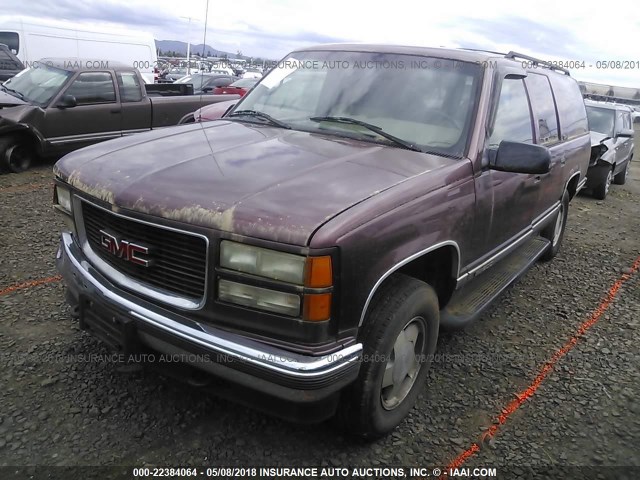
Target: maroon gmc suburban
{"x":307,"y":247}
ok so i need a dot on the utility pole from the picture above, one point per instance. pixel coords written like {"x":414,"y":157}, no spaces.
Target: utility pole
{"x":206,"y":18}
{"x":188,"y":47}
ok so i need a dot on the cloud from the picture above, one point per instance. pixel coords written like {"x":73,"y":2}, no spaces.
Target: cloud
{"x":110,"y":12}
{"x":271,"y":28}
{"x":519,"y":33}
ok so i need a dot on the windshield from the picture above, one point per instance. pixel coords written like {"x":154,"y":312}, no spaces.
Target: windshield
{"x":38,"y":84}
{"x":426,"y":102}
{"x":601,"y":120}
{"x":196,"y":80}
{"x":244,"y":83}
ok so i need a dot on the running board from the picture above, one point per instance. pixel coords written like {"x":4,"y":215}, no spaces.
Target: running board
{"x":470,"y":302}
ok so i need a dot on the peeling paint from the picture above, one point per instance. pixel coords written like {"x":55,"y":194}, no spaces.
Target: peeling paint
{"x":98,"y":191}
{"x":196,"y":215}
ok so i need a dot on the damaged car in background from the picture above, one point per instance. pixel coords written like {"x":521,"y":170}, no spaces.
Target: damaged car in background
{"x":60,"y":105}
{"x":611,"y":146}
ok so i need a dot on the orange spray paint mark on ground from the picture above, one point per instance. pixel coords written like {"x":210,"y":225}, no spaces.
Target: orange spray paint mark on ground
{"x":546,"y":369}
{"x":32,"y":283}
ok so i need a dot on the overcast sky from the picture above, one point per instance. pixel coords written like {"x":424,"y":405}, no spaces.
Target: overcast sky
{"x":578,"y":30}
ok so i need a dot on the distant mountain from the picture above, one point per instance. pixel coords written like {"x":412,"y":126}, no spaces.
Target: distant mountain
{"x":181,"y":49}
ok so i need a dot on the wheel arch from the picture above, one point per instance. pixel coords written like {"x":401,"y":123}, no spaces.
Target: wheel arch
{"x":187,"y":119}
{"x":438,"y":266}
{"x":25,"y":131}
{"x":572,"y":185}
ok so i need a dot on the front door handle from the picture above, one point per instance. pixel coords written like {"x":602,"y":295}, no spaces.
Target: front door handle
{"x":115,"y":110}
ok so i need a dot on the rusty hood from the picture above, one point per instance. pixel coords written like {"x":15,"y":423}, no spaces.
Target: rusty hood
{"x":253,"y":180}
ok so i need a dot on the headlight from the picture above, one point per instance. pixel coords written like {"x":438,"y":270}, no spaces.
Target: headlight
{"x":284,"y":267}
{"x":260,"y":298}
{"x":312,"y":273}
{"x":63,"y":198}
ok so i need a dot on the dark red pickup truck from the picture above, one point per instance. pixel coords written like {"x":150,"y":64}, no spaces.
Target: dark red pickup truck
{"x":309,"y":246}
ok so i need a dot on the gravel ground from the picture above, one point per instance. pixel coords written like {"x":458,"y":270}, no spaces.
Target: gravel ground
{"x":60,"y":407}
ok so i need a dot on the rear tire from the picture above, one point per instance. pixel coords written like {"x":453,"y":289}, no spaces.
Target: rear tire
{"x":399,"y":337}
{"x":16,"y":154}
{"x":605,"y":177}
{"x":621,"y":178}
{"x":554,"y":232}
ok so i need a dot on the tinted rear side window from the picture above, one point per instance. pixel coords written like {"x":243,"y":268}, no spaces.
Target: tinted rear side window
{"x":571,"y":109}
{"x":129,"y":87}
{"x":513,"y":117}
{"x":544,"y":108}
{"x":11,"y":40}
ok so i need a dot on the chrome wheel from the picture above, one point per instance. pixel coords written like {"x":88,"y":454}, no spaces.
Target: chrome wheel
{"x":403,"y":364}
{"x":607,"y":183}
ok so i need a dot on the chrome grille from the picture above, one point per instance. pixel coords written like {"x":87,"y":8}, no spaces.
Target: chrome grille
{"x":178,"y":261}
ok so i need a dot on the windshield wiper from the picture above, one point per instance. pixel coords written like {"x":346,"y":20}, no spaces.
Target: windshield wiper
{"x":13,"y":92}
{"x":369,"y":126}
{"x":255,"y":113}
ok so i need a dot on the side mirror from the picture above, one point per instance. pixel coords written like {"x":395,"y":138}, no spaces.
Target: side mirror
{"x":207,"y":89}
{"x":519,"y":157}
{"x":67,"y":101}
{"x":625,"y":132}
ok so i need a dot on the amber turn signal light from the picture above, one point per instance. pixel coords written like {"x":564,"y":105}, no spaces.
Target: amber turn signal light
{"x":317,"y":307}
{"x":318,"y":272}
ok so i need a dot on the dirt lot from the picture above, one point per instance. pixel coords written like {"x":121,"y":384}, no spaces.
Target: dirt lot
{"x":58,"y":406}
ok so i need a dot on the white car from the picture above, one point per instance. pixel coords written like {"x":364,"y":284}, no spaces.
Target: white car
{"x":252,"y":73}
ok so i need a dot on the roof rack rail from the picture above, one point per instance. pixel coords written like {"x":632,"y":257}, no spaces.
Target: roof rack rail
{"x":482,"y":50}
{"x":537,"y":61}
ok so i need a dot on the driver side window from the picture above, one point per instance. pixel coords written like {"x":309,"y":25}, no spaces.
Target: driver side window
{"x":512,"y":120}
{"x":93,"y":87}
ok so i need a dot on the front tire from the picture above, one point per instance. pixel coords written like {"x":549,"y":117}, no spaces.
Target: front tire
{"x":601,"y":190}
{"x":621,"y":178}
{"x":399,"y":337}
{"x":554,"y":232}
{"x":16,"y":154}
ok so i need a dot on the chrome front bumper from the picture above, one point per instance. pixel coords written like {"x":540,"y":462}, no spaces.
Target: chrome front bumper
{"x":277,"y":372}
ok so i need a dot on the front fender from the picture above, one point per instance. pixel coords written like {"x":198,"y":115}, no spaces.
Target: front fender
{"x":601,"y":155}
{"x":8,"y":127}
